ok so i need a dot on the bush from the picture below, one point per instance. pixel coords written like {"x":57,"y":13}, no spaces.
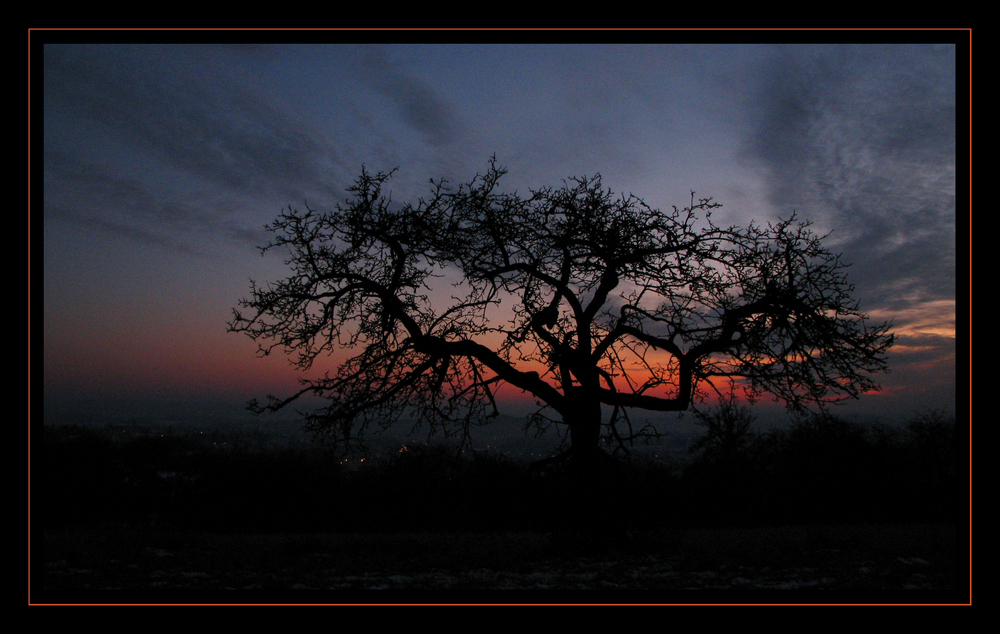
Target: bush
{"x":819,"y":470}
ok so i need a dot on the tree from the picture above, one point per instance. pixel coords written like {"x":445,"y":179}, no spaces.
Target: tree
{"x":592,"y":303}
{"x":727,"y":430}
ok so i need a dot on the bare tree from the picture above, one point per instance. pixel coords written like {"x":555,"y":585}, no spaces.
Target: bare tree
{"x":727,"y":430}
{"x":592,"y":303}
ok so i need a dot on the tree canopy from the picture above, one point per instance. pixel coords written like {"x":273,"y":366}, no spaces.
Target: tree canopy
{"x":595,"y":304}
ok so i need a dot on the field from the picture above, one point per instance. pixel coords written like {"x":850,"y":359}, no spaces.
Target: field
{"x":823,"y":564}
{"x":822,"y":513}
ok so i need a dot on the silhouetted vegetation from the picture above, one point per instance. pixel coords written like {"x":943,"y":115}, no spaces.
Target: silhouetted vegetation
{"x":819,"y":470}
{"x":822,"y":504}
{"x":823,"y":469}
{"x":594,"y":303}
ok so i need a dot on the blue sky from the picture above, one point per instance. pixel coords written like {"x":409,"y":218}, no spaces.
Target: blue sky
{"x":163,"y":162}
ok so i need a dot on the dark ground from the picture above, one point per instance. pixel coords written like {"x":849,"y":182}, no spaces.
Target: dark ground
{"x":818,"y":564}
{"x":824,"y":512}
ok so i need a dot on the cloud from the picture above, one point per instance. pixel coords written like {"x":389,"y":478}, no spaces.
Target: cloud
{"x":421,"y":107}
{"x":133,"y":233}
{"x":162,"y":106}
{"x":861,"y":139}
{"x":100,"y":198}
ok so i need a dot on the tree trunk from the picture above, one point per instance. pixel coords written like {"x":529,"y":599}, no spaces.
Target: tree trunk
{"x":584,"y":420}
{"x":591,"y":489}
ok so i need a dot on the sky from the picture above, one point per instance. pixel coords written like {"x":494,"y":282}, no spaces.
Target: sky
{"x":161,"y":164}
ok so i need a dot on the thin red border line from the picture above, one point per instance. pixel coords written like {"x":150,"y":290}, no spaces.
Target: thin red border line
{"x":970,"y":316}
{"x":437,"y":28}
{"x":947,"y":29}
{"x":448,"y":605}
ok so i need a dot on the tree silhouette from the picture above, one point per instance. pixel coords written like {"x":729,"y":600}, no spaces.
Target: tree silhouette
{"x":727,"y":430}
{"x":592,"y":303}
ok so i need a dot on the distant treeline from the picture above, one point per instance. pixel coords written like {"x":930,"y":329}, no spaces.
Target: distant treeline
{"x":819,"y":470}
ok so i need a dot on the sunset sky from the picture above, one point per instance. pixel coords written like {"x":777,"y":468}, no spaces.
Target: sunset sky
{"x":163,"y":162}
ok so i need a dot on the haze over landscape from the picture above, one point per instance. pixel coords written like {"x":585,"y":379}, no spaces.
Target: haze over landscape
{"x":162,"y":164}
